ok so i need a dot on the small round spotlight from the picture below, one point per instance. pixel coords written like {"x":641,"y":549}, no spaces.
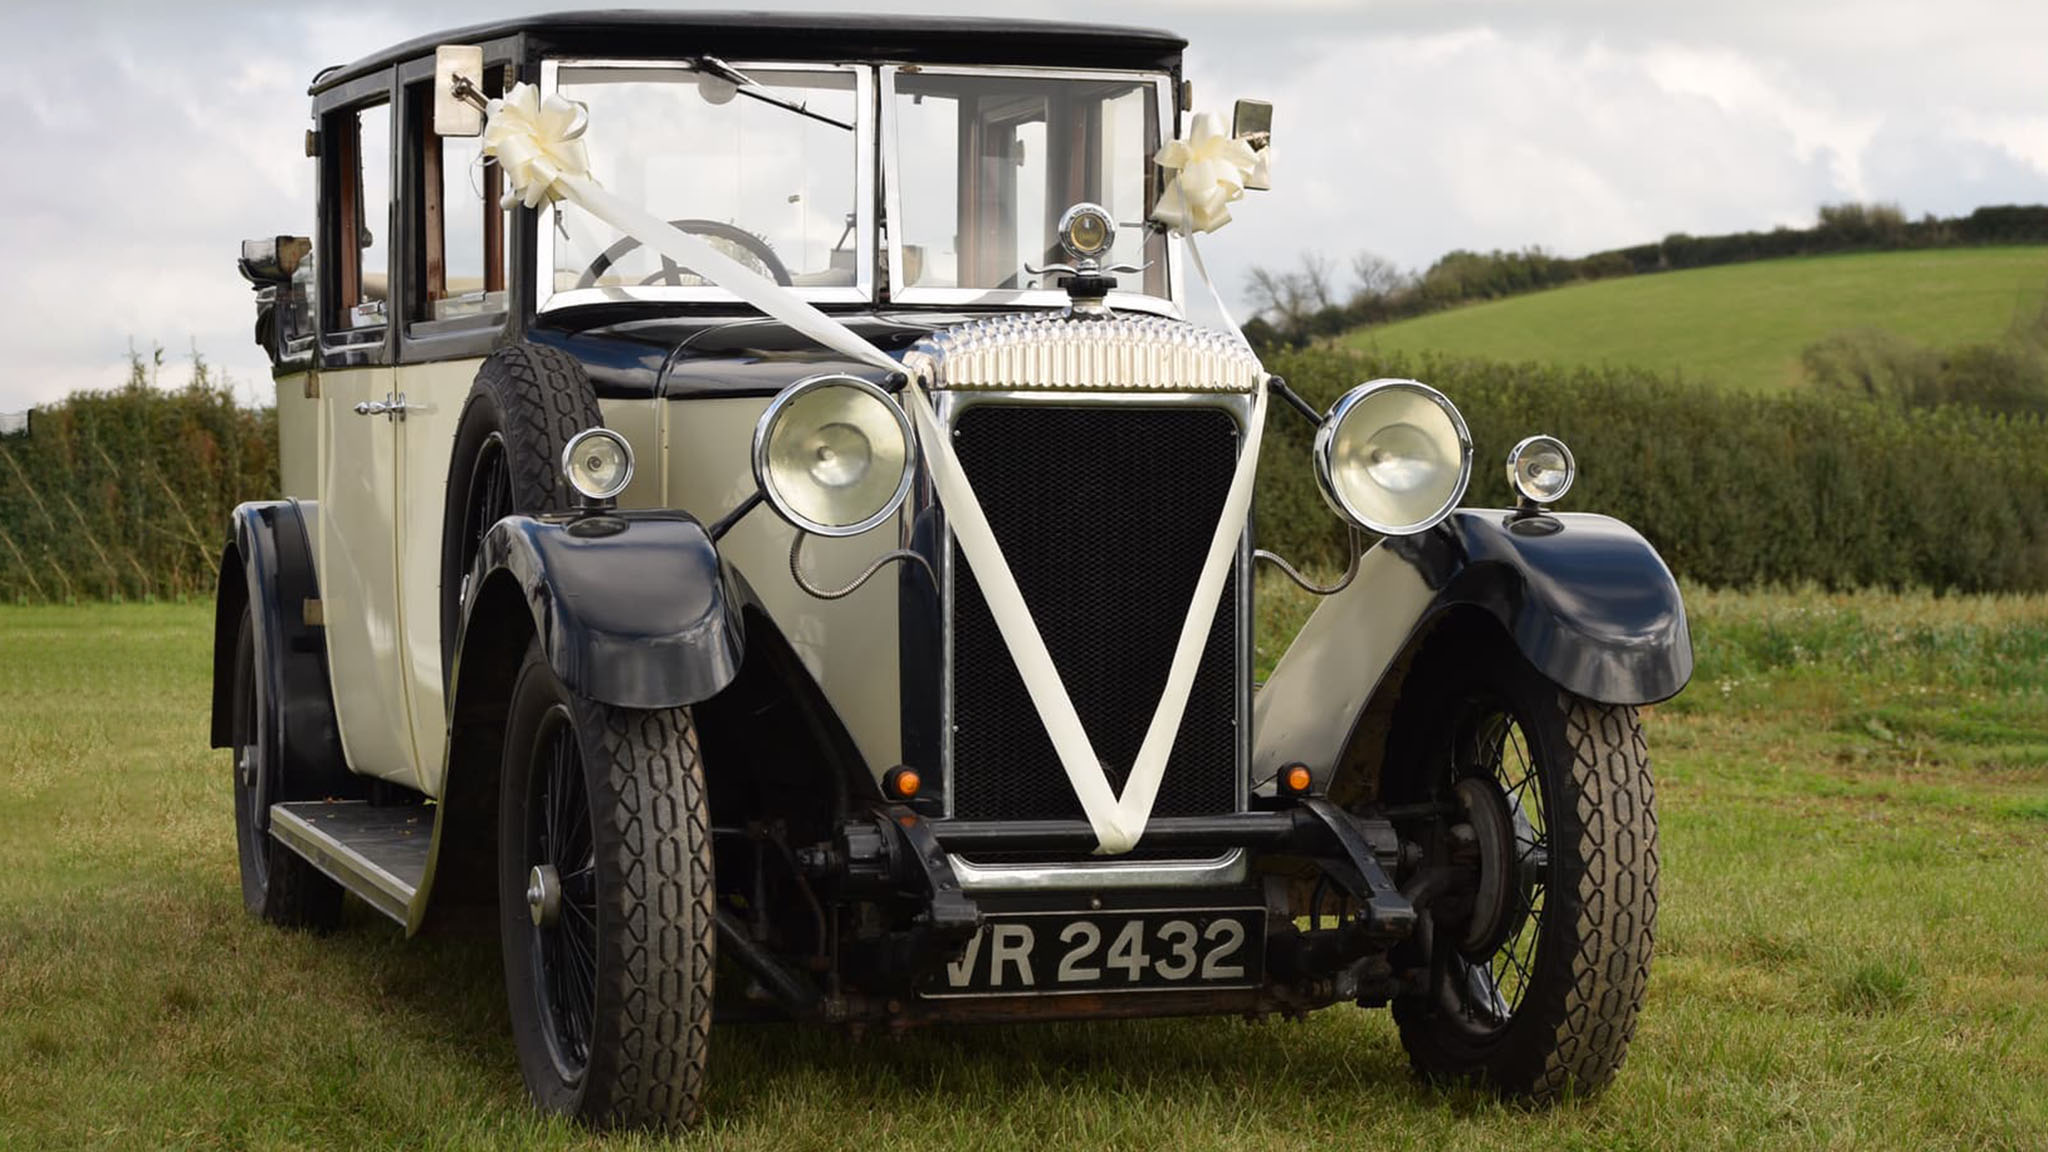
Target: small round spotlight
{"x":1393,"y":456}
{"x":833,"y":455}
{"x":598,"y":463}
{"x":1541,"y":468}
{"x":1086,"y":231}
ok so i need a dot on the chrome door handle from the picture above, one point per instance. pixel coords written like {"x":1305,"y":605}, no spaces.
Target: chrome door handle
{"x":390,"y":406}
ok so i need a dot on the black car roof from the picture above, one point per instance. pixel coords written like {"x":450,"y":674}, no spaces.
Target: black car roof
{"x":803,"y":36}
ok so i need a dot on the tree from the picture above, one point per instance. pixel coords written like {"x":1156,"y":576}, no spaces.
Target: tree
{"x":1374,"y":277}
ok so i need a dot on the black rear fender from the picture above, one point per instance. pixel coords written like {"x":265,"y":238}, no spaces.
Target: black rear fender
{"x":267,"y":567}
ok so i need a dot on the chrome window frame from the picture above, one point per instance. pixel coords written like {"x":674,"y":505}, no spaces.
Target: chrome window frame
{"x":892,"y":208}
{"x":546,"y":298}
{"x":1228,"y":867}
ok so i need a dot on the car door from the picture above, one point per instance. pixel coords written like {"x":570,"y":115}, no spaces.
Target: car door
{"x":454,"y":309}
{"x":358,"y":491}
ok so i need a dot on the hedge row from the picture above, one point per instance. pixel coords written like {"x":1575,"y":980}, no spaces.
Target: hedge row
{"x":1732,"y":489}
{"x":125,"y":494}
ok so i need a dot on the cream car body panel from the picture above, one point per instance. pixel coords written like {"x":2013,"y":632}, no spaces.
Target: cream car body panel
{"x":298,"y":436}
{"x":358,"y":572}
{"x":849,"y":646}
{"x":640,"y":422}
{"x":434,"y":394}
{"x":1334,"y":665}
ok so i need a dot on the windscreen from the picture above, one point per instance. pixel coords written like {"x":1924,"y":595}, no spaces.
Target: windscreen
{"x":770,"y":186}
{"x":987,"y":163}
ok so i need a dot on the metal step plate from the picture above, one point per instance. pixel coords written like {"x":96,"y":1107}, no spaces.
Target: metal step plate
{"x":379,"y":853}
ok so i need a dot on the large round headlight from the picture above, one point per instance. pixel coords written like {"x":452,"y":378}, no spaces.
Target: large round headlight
{"x":1541,"y":469}
{"x":1393,"y":456}
{"x":598,"y":463}
{"x":832,"y":454}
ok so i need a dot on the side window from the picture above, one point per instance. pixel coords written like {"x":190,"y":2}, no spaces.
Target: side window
{"x":459,"y":269}
{"x":358,"y":233}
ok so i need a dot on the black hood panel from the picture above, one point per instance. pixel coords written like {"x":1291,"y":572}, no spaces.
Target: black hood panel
{"x":632,"y":356}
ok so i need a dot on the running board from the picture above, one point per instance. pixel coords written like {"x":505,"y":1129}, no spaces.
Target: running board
{"x":379,"y":853}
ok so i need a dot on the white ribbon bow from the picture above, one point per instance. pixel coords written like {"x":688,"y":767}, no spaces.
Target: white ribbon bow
{"x":1211,"y":170}
{"x":539,"y":144}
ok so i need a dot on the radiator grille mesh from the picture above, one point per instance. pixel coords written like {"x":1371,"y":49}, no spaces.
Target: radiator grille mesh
{"x":1105,"y":515}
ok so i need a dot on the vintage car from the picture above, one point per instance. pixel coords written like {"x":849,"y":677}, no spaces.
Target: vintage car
{"x":735,"y":677}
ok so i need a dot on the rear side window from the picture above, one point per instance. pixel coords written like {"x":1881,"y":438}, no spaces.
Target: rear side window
{"x":459,"y":269}
{"x":357,"y":147}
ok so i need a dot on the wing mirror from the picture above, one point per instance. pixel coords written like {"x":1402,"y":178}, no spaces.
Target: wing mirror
{"x":1254,"y":119}
{"x":273,"y":259}
{"x":458,"y":92}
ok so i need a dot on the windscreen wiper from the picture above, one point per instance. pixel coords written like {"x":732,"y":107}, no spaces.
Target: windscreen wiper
{"x":747,"y":86}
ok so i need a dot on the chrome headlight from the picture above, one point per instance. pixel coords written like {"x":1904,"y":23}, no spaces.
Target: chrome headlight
{"x":1393,"y":456}
{"x":598,"y":463}
{"x":832,"y":454}
{"x":1541,"y":469}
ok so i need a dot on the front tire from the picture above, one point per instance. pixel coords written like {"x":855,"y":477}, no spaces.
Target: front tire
{"x":606,"y":905}
{"x":1539,"y":963}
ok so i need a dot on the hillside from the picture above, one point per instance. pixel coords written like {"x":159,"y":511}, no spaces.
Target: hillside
{"x":1743,"y":325}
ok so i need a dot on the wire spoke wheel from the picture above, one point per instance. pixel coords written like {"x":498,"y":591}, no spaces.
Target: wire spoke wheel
{"x":252,"y":776}
{"x":1483,"y":981}
{"x":562,"y":894}
{"x":1534,"y":948}
{"x":277,"y":884}
{"x":605,"y":890}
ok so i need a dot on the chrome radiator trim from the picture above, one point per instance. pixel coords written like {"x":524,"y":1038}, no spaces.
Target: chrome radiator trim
{"x":1118,"y":353}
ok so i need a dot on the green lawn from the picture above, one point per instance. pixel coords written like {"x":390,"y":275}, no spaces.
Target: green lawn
{"x":1741,"y":325}
{"x":1853,"y":950}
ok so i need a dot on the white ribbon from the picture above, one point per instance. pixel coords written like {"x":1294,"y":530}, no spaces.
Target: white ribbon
{"x":1211,"y":171}
{"x":538,"y":143}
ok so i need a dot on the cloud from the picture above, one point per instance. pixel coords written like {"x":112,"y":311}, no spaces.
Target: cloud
{"x":1470,"y":139}
{"x":153,"y":138}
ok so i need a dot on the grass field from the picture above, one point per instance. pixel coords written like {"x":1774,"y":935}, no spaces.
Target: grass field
{"x":1853,"y":952}
{"x":1740,"y":325}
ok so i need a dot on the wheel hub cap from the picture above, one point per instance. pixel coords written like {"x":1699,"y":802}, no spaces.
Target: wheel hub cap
{"x":1493,"y":832}
{"x":544,"y":895}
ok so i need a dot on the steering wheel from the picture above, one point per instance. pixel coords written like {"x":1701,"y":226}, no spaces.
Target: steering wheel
{"x":751,"y":250}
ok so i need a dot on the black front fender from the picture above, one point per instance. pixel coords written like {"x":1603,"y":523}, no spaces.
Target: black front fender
{"x":632,"y":609}
{"x":1585,"y":599}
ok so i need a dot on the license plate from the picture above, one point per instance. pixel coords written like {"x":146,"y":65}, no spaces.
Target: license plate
{"x":1024,"y":953}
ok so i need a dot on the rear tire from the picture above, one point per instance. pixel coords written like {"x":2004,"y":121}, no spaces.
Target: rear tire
{"x":278,"y":884}
{"x":1537,"y":979}
{"x":609,"y":953}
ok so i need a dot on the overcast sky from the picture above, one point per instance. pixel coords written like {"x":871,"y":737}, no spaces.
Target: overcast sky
{"x":144,"y":140}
